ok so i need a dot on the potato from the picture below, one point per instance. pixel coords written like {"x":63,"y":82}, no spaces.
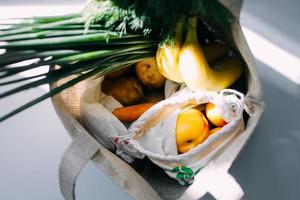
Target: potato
{"x":117,"y":73}
{"x":148,"y":73}
{"x":127,"y":90}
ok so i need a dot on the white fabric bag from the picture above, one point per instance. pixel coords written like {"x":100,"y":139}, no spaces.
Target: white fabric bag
{"x":153,"y":134}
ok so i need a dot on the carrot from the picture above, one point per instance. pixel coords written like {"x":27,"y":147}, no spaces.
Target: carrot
{"x":131,"y":113}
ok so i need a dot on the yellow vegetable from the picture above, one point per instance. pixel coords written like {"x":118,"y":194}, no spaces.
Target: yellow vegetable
{"x":127,"y":90}
{"x":148,"y":73}
{"x":194,"y":68}
{"x":167,"y":56}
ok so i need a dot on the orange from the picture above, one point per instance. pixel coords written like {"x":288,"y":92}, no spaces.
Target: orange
{"x":213,"y":114}
{"x":192,"y":129}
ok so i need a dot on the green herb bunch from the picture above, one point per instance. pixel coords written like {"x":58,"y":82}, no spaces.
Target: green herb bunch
{"x":106,"y":36}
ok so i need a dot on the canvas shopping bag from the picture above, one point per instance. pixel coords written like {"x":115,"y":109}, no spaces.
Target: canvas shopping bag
{"x":141,"y":182}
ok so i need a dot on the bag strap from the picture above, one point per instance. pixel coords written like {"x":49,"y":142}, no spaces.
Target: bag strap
{"x":83,"y":148}
{"x":77,"y":156}
{"x":72,"y":163}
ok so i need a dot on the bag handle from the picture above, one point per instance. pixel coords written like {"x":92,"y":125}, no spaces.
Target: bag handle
{"x":78,"y":155}
{"x":83,"y":148}
{"x":72,"y":163}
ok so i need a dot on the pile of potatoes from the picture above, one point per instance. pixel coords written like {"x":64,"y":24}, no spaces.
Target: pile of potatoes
{"x":133,"y":85}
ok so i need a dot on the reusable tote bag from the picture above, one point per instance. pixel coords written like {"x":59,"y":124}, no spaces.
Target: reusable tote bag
{"x":143,"y":180}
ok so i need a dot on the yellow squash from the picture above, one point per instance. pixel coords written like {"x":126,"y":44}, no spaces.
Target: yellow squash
{"x":167,"y":56}
{"x":194,"y":68}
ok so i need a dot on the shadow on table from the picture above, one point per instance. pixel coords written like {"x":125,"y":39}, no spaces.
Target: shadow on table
{"x":268,"y":167}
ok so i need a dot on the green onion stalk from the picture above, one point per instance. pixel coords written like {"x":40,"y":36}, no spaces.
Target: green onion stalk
{"x":104,"y":37}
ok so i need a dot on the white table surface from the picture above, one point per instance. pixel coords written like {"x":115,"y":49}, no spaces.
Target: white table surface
{"x":32,"y":143}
